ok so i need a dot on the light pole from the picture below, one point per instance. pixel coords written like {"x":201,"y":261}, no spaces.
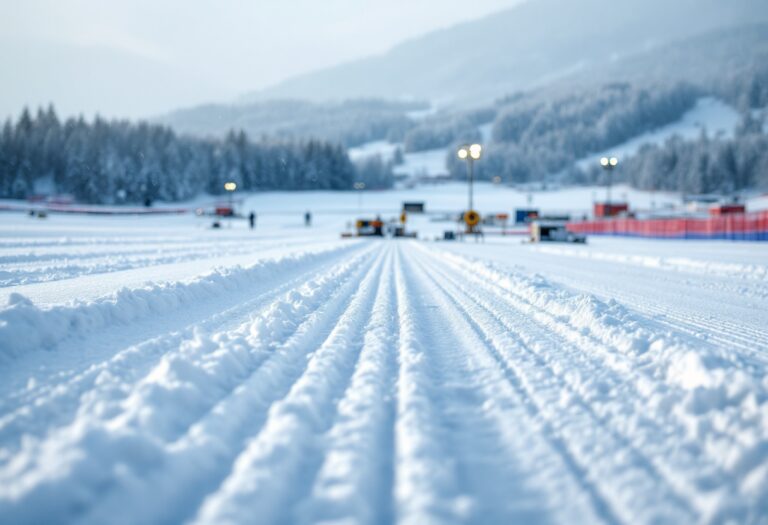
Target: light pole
{"x":470,"y":153}
{"x":231,"y":187}
{"x":359,"y":186}
{"x":608,"y":164}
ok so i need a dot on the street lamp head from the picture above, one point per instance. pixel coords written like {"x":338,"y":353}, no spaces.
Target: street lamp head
{"x":614,"y":161}
{"x":359,"y":185}
{"x":604,"y":162}
{"x":230,"y":186}
{"x":463,"y":153}
{"x":475,"y":150}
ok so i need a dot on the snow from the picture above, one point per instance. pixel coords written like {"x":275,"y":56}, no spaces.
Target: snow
{"x":153,"y":370}
{"x":758,"y":203}
{"x":486,"y":132}
{"x":420,"y":164}
{"x":709,"y":114}
{"x":421,"y":114}
{"x":423,"y":164}
{"x":382,"y":148}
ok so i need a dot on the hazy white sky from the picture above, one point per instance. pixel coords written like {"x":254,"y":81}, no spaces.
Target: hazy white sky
{"x":143,"y":57}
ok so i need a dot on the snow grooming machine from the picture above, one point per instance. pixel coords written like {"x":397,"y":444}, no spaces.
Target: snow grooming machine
{"x":378,"y":228}
{"x":369,"y":228}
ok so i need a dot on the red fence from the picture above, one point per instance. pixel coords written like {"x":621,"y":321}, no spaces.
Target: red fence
{"x":742,"y":227}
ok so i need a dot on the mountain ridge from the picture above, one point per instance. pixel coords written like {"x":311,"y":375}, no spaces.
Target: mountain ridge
{"x":515,"y":49}
{"x":730,"y":53}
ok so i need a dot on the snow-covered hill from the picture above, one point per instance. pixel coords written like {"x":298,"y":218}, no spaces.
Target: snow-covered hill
{"x":709,"y":115}
{"x":529,"y":45}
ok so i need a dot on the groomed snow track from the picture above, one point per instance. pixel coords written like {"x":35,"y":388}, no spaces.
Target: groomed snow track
{"x":388,"y":382}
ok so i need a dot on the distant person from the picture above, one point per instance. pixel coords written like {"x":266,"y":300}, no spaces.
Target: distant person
{"x":307,"y":219}
{"x":252,"y":220}
{"x":378,"y":227}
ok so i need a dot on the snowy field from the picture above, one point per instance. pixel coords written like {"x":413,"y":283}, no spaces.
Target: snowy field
{"x":153,"y":370}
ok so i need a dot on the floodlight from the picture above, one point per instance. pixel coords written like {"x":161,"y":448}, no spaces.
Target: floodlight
{"x":475,"y":150}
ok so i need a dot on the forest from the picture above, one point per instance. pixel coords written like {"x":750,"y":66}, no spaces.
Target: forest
{"x":540,"y":136}
{"x":706,"y":165}
{"x":348,"y":122}
{"x":121,"y":162}
{"x":534,"y":137}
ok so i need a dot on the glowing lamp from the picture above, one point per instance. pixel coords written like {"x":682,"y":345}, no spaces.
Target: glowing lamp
{"x":475,"y":150}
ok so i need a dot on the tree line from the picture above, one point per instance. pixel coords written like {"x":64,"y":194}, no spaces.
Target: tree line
{"x":349,"y":122}
{"x":445,"y":128}
{"x":121,"y":162}
{"x":705,"y":165}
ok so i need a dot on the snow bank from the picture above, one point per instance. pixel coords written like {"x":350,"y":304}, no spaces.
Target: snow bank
{"x":25,"y":327}
{"x":189,"y":415}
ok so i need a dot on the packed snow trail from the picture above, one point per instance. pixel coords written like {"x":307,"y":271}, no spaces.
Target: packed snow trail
{"x":377,"y":382}
{"x":712,"y":291}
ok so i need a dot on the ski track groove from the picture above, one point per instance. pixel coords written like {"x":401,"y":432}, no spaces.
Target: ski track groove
{"x":387,"y":382}
{"x":288,"y":441}
{"x":214,"y":445}
{"x":94,"y":242}
{"x":726,"y":333}
{"x":522,"y":396}
{"x":79,"y":431}
{"x":63,"y":270}
{"x":131,"y":359}
{"x":425,"y":484}
{"x":508,"y":336}
{"x":674,"y":265}
{"x":613,"y":359}
{"x":660,"y":437}
{"x":354,"y":481}
{"x":42,"y":256}
{"x":490,"y":421}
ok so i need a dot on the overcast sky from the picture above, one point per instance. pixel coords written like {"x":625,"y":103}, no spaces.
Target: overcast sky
{"x":144,"y":57}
